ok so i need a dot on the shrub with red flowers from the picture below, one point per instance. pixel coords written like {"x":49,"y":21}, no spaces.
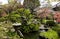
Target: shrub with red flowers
{"x":57,"y":16}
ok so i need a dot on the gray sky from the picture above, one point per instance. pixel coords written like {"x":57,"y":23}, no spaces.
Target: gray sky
{"x":6,"y":1}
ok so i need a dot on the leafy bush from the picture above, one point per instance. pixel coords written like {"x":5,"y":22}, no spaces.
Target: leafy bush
{"x":30,"y":26}
{"x":50,"y":34}
{"x":7,"y":31}
{"x":44,"y":21}
{"x":57,"y":29}
{"x":14,"y":17}
{"x":50,"y":23}
{"x":13,"y":35}
{"x":2,"y":19}
{"x":28,"y":20}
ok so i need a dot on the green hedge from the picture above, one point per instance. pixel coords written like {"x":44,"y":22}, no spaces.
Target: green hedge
{"x":50,"y":34}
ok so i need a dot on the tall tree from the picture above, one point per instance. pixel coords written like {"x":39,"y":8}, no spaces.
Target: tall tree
{"x":12,"y":1}
{"x":12,"y":5}
{"x":31,"y":4}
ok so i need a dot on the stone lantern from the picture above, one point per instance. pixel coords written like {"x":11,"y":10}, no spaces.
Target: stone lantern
{"x":43,"y":28}
{"x":16,"y":27}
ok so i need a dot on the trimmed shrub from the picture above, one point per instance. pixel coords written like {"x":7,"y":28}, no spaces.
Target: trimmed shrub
{"x":50,"y":23}
{"x":50,"y":34}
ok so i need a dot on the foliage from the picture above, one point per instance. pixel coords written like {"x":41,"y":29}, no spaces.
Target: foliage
{"x":51,"y":23}
{"x":50,"y":34}
{"x":14,"y":17}
{"x":11,"y":6}
{"x":57,"y":29}
{"x":7,"y":31}
{"x":13,"y":34}
{"x":31,"y":4}
{"x":2,"y":19}
{"x":43,"y":21}
{"x":28,"y":21}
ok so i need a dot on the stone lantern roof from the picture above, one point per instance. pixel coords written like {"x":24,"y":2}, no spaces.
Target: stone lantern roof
{"x":16,"y":24}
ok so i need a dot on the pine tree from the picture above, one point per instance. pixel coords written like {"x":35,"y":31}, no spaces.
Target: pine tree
{"x":31,"y":4}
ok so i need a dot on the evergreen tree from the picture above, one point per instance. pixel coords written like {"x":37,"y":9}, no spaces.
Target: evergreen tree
{"x":12,"y":5}
{"x":31,"y":4}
